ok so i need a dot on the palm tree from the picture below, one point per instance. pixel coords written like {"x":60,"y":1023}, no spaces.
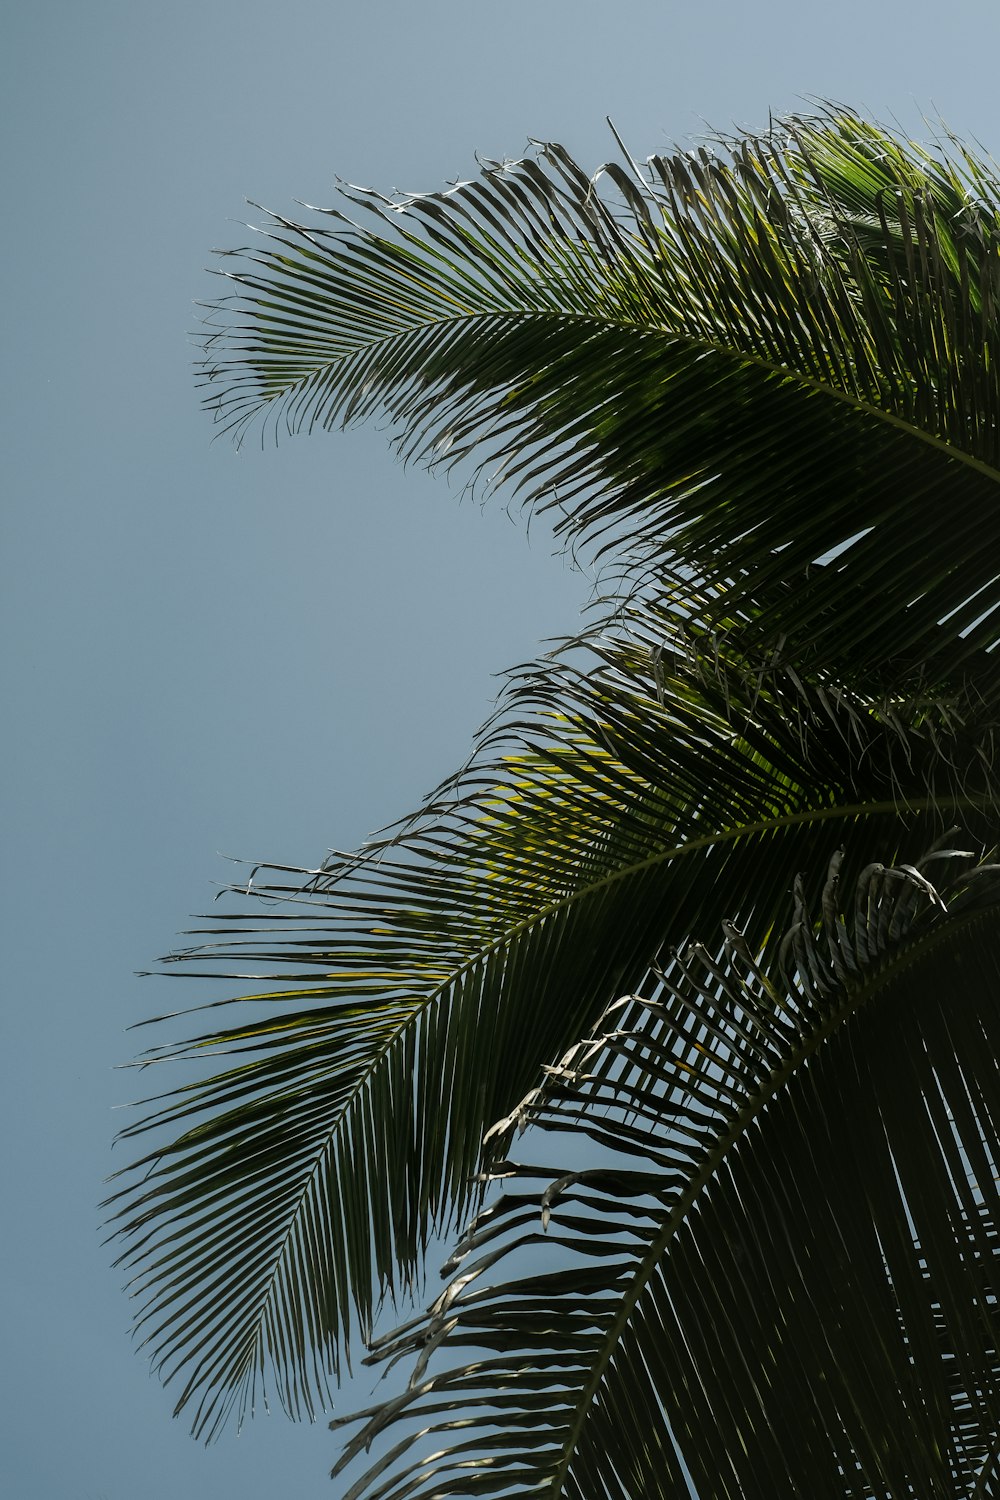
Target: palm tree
{"x":708,"y":912}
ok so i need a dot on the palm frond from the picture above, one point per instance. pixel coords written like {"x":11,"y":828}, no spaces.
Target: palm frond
{"x":741,"y":360}
{"x":765,"y":379}
{"x":771,"y":1262}
{"x":632,"y":793}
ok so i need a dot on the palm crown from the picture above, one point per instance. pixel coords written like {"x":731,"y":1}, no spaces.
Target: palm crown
{"x":708,"y":912}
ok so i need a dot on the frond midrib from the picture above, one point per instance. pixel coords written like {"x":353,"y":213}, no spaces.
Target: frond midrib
{"x":953,"y":803}
{"x":792,"y":376}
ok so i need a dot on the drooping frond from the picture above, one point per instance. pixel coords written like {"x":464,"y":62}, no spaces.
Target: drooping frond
{"x":770,"y":1262}
{"x":633,"y":793}
{"x":763,"y":378}
{"x":741,"y":360}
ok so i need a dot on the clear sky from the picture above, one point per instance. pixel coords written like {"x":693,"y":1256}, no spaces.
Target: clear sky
{"x":269,"y":653}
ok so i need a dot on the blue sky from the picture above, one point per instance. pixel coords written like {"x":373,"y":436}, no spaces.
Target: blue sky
{"x":267,"y":653}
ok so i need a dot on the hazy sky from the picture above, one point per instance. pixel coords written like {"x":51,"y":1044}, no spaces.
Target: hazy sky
{"x":269,"y":653}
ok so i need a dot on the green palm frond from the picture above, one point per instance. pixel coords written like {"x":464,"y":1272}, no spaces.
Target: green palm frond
{"x":634,"y":792}
{"x":737,"y":360}
{"x":771,"y":1261}
{"x":763,"y":379}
